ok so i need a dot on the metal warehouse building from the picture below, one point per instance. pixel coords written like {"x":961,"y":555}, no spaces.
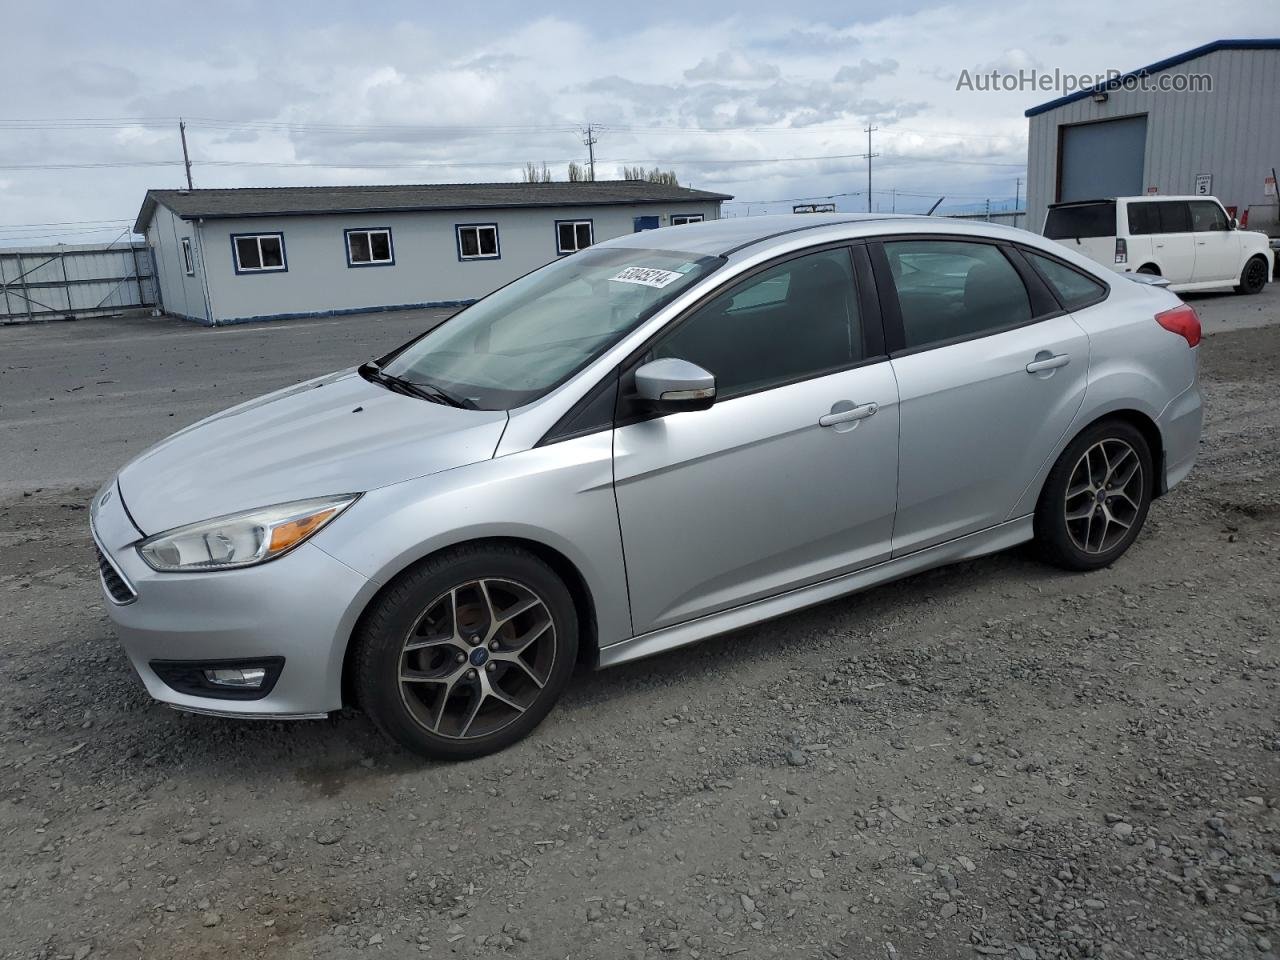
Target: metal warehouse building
{"x":229,"y":256}
{"x":1119,"y":139}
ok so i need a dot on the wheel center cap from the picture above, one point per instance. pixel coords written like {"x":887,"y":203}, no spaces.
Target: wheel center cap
{"x":1101,"y":496}
{"x":479,"y":656}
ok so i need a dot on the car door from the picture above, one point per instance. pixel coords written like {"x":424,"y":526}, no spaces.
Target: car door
{"x":1174,"y":247}
{"x":1217,"y":245}
{"x":791,"y":476}
{"x":990,"y":375}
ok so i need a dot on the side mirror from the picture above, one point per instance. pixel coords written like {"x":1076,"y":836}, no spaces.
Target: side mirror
{"x":1233,"y":224}
{"x":670,"y":385}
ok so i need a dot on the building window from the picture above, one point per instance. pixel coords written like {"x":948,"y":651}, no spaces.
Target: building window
{"x":573,"y":235}
{"x":679,"y":218}
{"x":369,"y":248}
{"x":478,"y":241}
{"x":188,"y":263}
{"x":259,"y":252}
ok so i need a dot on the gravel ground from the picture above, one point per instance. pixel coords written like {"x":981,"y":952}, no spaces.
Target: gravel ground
{"x":995,"y":759}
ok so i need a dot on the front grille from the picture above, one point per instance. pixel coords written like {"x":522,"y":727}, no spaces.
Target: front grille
{"x":117,"y":588}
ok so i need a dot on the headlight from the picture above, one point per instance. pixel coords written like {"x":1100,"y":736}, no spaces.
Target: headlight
{"x":241,"y":539}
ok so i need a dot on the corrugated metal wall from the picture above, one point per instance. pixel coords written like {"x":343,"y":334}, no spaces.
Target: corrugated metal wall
{"x":1230,"y":133}
{"x":76,"y":280}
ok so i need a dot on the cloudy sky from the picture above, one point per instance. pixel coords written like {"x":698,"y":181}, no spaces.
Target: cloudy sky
{"x":766,"y":101}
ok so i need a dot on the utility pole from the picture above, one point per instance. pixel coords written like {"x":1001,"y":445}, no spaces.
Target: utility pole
{"x":1017,"y":193}
{"x":867,"y":156}
{"x":894,"y":195}
{"x":186,"y":159}
{"x":589,"y":138}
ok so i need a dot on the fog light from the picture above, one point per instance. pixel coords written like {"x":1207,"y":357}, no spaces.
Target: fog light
{"x":247,"y":679}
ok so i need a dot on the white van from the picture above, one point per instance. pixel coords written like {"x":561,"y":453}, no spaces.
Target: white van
{"x":1190,"y":241}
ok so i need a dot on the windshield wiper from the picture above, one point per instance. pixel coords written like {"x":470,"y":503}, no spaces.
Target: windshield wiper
{"x":423,"y":391}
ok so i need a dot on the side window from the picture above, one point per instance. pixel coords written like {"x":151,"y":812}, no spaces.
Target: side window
{"x":1074,"y":289}
{"x":952,"y":289}
{"x":680,"y":218}
{"x":573,"y":235}
{"x":792,"y":321}
{"x":1144,"y":219}
{"x":478,"y":241}
{"x":1207,"y":216}
{"x":188,"y":262}
{"x":258,"y":252}
{"x":367,"y":248}
{"x":1175,"y":216}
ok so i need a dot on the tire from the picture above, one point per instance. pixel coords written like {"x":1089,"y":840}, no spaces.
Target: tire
{"x":1253,"y":277}
{"x":488,"y":627}
{"x":1149,"y":269}
{"x":1112,"y":445}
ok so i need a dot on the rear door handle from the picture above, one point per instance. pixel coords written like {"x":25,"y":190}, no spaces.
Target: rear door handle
{"x":860,"y":412}
{"x":1049,"y":363}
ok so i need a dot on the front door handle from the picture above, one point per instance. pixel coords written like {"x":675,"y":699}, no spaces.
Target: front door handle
{"x":860,"y":412}
{"x":1049,"y":363}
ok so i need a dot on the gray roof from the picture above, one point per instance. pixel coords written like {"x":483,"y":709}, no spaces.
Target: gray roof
{"x":289,"y":201}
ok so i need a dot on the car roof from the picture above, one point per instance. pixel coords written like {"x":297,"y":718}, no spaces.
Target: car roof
{"x":722,"y":238}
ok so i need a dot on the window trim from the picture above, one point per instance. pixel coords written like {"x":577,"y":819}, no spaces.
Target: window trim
{"x":391,"y":247}
{"x":235,"y":253}
{"x":873,"y":332}
{"x":686,"y":218}
{"x":188,"y":257}
{"x":1024,"y":249}
{"x":895,"y":332}
{"x":591,"y":226}
{"x":497,"y":242}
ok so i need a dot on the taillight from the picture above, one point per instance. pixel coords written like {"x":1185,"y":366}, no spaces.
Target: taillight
{"x":1183,"y":321}
{"x":1122,"y":250}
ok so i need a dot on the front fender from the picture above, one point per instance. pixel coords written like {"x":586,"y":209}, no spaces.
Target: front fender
{"x":559,"y":496}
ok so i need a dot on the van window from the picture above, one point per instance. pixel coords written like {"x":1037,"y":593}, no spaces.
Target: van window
{"x":1159,"y":216}
{"x":1079,"y":220}
{"x":1074,"y":288}
{"x":1207,"y":216}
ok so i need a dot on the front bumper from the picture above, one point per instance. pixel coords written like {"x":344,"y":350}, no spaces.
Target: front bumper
{"x":301,"y":607}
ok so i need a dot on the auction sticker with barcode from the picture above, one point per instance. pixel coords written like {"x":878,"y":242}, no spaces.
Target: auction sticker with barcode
{"x":646,"y":276}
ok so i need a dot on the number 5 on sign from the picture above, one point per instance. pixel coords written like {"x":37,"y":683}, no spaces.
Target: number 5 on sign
{"x":1204,"y":184}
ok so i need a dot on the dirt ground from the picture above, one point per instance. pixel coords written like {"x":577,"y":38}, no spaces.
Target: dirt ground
{"x":995,"y":759}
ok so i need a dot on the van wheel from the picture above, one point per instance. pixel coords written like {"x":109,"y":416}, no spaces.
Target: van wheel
{"x":1149,"y":269}
{"x":1095,"y":498}
{"x":467,"y":652}
{"x":1254,"y":276}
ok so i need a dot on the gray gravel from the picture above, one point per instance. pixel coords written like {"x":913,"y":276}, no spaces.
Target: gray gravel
{"x":997,"y":759}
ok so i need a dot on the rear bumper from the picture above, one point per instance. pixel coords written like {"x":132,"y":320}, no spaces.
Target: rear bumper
{"x":1180,"y":425}
{"x":301,"y":607}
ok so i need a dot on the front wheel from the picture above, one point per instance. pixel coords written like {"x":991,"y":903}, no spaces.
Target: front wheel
{"x":1254,"y":276}
{"x":467,"y":652}
{"x":1096,"y":497}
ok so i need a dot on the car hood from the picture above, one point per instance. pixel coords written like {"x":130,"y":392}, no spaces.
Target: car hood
{"x":335,"y":434}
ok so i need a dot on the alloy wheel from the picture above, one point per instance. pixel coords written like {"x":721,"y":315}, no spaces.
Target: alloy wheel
{"x":1104,"y":496}
{"x":477,"y":658}
{"x":1255,"y":274}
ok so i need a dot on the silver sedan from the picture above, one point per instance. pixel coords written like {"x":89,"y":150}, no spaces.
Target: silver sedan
{"x":660,"y":438}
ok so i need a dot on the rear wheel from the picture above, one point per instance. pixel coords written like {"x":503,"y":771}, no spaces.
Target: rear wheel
{"x":467,"y":652}
{"x":1150,"y":269}
{"x":1096,"y":497}
{"x":1254,"y":276}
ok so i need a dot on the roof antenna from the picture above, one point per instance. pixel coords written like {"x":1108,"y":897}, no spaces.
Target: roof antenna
{"x":935,"y":206}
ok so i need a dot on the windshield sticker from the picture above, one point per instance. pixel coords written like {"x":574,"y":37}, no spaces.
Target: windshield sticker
{"x":646,"y":276}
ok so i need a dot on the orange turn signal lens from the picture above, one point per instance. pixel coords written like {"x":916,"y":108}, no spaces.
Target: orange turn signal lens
{"x":290,"y":534}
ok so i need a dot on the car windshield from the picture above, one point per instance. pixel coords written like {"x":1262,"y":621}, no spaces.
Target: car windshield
{"x":525,"y":339}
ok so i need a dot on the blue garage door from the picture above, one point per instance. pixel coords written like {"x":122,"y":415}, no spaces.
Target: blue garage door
{"x":1100,"y":160}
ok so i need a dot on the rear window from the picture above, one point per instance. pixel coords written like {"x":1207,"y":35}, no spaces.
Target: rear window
{"x":1081,"y":220}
